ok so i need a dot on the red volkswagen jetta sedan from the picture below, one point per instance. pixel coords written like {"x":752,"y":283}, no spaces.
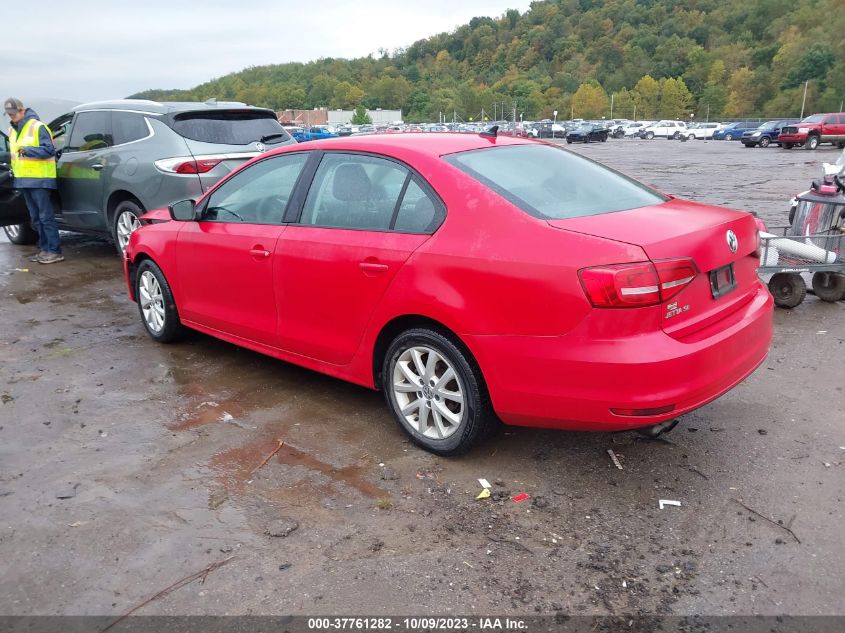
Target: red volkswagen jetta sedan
{"x":470,"y":278}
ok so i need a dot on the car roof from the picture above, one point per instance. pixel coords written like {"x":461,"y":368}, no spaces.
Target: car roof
{"x":162,"y":107}
{"x":432,"y":144}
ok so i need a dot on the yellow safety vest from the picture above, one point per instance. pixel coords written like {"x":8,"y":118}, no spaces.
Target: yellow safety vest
{"x":23,"y":166}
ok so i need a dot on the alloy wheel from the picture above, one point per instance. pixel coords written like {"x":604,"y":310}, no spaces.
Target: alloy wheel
{"x":13,"y":231}
{"x":152,"y":301}
{"x":428,"y":392}
{"x":127,"y":223}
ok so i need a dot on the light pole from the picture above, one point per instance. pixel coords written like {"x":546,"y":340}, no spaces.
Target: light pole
{"x":611,"y":105}
{"x":804,"y":100}
{"x":553,"y":125}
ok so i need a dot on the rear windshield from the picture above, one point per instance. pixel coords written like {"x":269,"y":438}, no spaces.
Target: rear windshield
{"x":233,"y":127}
{"x":552,"y":183}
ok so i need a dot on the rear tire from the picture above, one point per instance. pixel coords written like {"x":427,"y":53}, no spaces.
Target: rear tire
{"x":788,"y":289}
{"x":829,"y":286}
{"x":451,"y":410}
{"x":812,"y":142}
{"x":21,"y":234}
{"x":125,"y":223}
{"x":787,"y":145}
{"x":156,"y":304}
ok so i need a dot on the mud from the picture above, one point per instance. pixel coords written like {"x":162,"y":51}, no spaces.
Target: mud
{"x":163,"y":449}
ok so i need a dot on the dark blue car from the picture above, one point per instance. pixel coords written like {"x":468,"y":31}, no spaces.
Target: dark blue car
{"x":734,"y":131}
{"x":766,"y":134}
{"x":312,"y":134}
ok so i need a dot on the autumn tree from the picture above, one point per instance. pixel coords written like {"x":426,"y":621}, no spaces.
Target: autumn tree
{"x":647,"y":97}
{"x":740,"y":93}
{"x":675,"y":99}
{"x":590,"y":101}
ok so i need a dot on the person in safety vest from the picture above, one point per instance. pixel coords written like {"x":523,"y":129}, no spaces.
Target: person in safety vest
{"x":34,"y":169}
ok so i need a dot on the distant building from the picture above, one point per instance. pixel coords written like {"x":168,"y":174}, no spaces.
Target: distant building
{"x":379,"y":116}
{"x":317,"y":116}
{"x":324,"y":116}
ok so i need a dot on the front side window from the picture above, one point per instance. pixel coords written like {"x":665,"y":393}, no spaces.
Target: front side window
{"x":354,"y":192}
{"x":551,"y":183}
{"x":91,"y":131}
{"x":259,"y":194}
{"x":59,"y":129}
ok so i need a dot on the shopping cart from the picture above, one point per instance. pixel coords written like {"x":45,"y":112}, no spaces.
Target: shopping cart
{"x":787,"y":258}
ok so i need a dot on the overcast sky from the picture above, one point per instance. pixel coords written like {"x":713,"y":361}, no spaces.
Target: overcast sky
{"x":90,"y":50}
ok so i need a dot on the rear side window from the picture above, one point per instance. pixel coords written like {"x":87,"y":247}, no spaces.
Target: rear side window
{"x":354,"y":192}
{"x":553,"y":184}
{"x":231,"y":127}
{"x":128,"y":127}
{"x":417,"y":212}
{"x":91,"y":131}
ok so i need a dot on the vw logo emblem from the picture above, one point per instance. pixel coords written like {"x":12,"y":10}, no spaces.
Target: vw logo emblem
{"x":260,"y":147}
{"x":733,"y":242}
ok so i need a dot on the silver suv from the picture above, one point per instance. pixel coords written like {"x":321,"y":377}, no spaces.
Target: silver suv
{"x":118,"y":159}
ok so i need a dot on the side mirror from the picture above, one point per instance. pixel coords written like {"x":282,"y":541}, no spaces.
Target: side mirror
{"x":183,"y":211}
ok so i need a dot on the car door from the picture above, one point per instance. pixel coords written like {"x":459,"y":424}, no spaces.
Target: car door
{"x":224,"y":260}
{"x":81,"y":168}
{"x":12,"y":206}
{"x":337,"y":260}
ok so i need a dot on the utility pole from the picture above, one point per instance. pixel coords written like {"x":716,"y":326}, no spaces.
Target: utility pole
{"x":635,"y":112}
{"x":553,"y":125}
{"x":708,"y":113}
{"x":611,"y":105}
{"x":804,"y":100}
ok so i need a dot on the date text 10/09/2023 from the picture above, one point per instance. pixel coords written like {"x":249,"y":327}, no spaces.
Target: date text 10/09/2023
{"x":411,"y":624}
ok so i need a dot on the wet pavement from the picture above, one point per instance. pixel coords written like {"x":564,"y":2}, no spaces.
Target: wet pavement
{"x":126,"y":465}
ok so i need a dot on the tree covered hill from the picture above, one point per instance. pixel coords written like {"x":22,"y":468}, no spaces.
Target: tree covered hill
{"x":654,"y":58}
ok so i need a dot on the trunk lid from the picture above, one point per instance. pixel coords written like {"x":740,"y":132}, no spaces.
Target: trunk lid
{"x":680,"y":229}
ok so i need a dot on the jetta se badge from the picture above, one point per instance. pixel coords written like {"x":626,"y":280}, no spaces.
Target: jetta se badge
{"x":733,"y":242}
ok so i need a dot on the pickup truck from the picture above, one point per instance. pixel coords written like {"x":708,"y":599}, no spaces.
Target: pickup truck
{"x":816,"y":129}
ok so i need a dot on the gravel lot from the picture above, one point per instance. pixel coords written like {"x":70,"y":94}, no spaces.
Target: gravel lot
{"x":126,"y":465}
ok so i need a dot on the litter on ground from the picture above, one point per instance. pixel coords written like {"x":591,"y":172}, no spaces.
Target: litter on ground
{"x":668,"y":502}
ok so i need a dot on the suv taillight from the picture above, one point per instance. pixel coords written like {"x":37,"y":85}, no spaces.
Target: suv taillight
{"x":638,"y":284}
{"x":188,"y":165}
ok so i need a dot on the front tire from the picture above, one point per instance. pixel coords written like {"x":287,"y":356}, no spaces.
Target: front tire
{"x":765,"y":141}
{"x":649,"y":135}
{"x":21,"y":234}
{"x":788,"y":289}
{"x":156,"y":304}
{"x":829,"y":286}
{"x":436,"y":392}
{"x":125,"y":223}
{"x":729,"y":137}
{"x":812,"y":142}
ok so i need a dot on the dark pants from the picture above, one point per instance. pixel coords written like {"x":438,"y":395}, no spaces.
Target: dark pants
{"x":42,"y":214}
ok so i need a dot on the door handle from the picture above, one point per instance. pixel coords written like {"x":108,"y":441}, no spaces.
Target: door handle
{"x":259,"y":252}
{"x":97,"y":166}
{"x":373,"y":268}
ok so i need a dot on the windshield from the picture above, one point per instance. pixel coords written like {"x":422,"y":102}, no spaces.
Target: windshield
{"x":770,"y":125}
{"x":231,"y":127}
{"x":552,"y":183}
{"x":816,"y":118}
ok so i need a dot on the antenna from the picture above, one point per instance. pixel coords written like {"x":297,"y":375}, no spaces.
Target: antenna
{"x":493,"y":132}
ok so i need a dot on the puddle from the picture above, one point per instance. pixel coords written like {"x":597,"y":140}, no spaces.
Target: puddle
{"x":236,"y":466}
{"x":208,"y":412}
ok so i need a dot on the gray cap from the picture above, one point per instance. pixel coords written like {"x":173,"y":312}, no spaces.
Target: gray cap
{"x":12,"y":105}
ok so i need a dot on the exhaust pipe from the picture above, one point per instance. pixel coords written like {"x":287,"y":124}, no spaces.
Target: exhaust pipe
{"x":658,"y":429}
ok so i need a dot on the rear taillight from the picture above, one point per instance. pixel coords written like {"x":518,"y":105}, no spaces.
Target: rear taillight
{"x":188,"y":165}
{"x":637,"y":284}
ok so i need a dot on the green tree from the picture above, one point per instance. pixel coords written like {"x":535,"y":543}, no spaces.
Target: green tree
{"x":590,"y":101}
{"x":647,"y":97}
{"x":360,"y":116}
{"x":741,"y":93}
{"x":675,"y":99}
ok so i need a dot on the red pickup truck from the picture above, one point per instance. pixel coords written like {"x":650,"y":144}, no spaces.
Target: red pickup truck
{"x":819,"y":128}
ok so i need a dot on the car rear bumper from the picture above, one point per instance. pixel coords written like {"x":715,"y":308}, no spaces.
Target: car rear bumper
{"x":573,"y":381}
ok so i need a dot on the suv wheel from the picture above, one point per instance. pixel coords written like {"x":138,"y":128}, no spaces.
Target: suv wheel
{"x":21,"y":234}
{"x":126,"y":222}
{"x":764,"y":141}
{"x":436,"y":392}
{"x":812,"y":142}
{"x":649,"y":135}
{"x":786,"y":145}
